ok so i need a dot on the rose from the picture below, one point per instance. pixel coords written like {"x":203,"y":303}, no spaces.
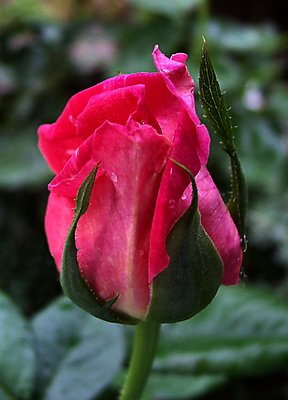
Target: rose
{"x":134,"y":125}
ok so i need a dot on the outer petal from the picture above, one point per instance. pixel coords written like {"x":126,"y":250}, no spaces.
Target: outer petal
{"x":177,"y":79}
{"x":58,"y":141}
{"x":190,"y":147}
{"x":181,"y":85}
{"x":69,"y":179}
{"x":113,"y":236}
{"x":56,"y":151}
{"x":219,"y":225}
{"x":59,"y":216}
{"x":170,"y":205}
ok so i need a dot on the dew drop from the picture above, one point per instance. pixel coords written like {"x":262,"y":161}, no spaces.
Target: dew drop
{"x":114,"y":177}
{"x":72,"y":120}
{"x":69,"y":152}
{"x":171,"y":203}
{"x":184,"y":196}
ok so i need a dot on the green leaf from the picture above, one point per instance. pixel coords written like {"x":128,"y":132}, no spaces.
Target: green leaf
{"x":170,"y":7}
{"x":21,"y":163}
{"x":217,"y":113}
{"x":4,"y":396}
{"x":71,"y":280}
{"x":174,"y":386}
{"x":17,"y":359}
{"x":269,"y":224}
{"x":247,"y":39}
{"x":137,"y":43}
{"x":23,"y":11}
{"x":78,"y":355}
{"x":194,"y":274}
{"x":243,"y":332}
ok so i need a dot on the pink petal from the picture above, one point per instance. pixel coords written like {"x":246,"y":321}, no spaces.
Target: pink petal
{"x":56,"y":151}
{"x":70,"y":178}
{"x":87,"y":110}
{"x":163,"y":105}
{"x":58,"y":219}
{"x":113,"y":106}
{"x":170,"y":206}
{"x":113,"y":236}
{"x":58,"y":141}
{"x":181,"y":85}
{"x":190,"y":148}
{"x":219,"y":225}
{"x":120,"y":104}
{"x":215,"y":216}
{"x":177,"y":79}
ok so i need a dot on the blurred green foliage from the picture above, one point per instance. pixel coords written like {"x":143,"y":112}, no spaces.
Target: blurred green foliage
{"x":52,"y":49}
{"x":70,"y":355}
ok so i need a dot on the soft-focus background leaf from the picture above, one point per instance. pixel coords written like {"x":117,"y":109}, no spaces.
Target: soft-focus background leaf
{"x":78,"y":355}
{"x":172,"y":386}
{"x":20,"y":162}
{"x":17,"y":360}
{"x":243,"y":332}
{"x":170,"y":7}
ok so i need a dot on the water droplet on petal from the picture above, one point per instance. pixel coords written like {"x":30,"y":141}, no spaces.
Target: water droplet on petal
{"x":171,"y":203}
{"x":114,"y":177}
{"x":72,"y":120}
{"x":184,"y":196}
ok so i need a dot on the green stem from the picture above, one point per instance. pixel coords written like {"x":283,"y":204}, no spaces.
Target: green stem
{"x":145,"y":343}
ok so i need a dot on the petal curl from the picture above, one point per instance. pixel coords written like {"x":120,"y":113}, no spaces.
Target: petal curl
{"x":190,"y":147}
{"x":177,"y":79}
{"x":170,"y":205}
{"x":69,"y":179}
{"x":113,"y":106}
{"x":219,"y":225}
{"x":58,"y":141}
{"x":56,"y":151}
{"x":181,"y":85}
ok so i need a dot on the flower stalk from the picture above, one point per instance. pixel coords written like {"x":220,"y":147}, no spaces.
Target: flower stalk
{"x":144,"y":348}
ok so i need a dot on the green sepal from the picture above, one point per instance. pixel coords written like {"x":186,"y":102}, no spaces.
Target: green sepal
{"x":218,"y":114}
{"x":194,"y":274}
{"x":72,"y":283}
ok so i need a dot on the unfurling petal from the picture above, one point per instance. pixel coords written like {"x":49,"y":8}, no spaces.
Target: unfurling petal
{"x":219,"y":225}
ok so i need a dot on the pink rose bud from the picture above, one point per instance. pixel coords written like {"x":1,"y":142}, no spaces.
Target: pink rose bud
{"x":135,"y":126}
